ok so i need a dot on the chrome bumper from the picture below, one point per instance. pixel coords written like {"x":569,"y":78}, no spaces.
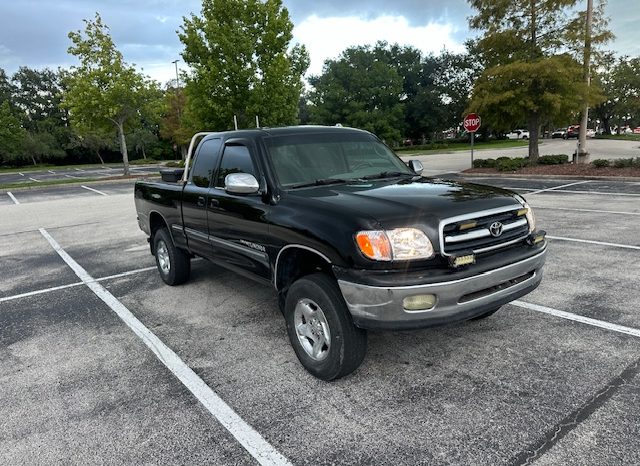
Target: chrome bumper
{"x":457,"y":300}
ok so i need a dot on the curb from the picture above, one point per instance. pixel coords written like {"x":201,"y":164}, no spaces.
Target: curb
{"x":549,"y":177}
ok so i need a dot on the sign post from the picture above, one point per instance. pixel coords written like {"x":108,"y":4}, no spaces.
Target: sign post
{"x":471,"y":124}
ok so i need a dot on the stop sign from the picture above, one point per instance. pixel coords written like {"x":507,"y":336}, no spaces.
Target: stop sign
{"x":472,"y":122}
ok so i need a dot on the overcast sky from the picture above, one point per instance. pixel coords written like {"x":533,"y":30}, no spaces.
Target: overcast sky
{"x":34,"y":32}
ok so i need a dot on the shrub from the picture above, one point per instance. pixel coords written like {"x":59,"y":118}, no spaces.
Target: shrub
{"x":623,"y":163}
{"x":505,"y":164}
{"x":558,"y":159}
{"x":600,"y":163}
{"x":172,"y":164}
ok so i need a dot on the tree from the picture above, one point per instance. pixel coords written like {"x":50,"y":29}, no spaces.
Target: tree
{"x":174,"y":124}
{"x":12,"y":135}
{"x":104,"y":91}
{"x":242,"y":64}
{"x":6,"y":88}
{"x":526,"y":36}
{"x":362,"y":90}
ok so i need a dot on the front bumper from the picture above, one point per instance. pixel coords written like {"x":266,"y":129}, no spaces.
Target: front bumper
{"x":457,"y":300}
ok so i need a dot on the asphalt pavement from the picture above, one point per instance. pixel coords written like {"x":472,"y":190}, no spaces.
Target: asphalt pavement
{"x":551,"y":379}
{"x":53,"y":174}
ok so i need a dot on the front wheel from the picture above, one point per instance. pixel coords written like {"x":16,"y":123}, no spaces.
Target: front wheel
{"x":320,"y":328}
{"x":173,"y":264}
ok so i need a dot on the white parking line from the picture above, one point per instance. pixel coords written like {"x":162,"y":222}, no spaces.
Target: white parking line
{"x":246,"y":435}
{"x":71,"y":285}
{"x":559,"y":187}
{"x":94,"y":190}
{"x":13,"y":198}
{"x":588,"y":210}
{"x":600,"y":193}
{"x":588,"y":241}
{"x":578,"y":318}
{"x":71,"y":176}
{"x":52,"y":172}
{"x":20,"y":173}
{"x":79,"y":169}
{"x":33,"y":179}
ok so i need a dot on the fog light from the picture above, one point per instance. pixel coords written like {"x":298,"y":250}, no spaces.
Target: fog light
{"x":465,"y":259}
{"x":536,"y":237}
{"x":419,"y":302}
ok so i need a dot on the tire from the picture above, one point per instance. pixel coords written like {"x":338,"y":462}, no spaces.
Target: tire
{"x":174,"y":265}
{"x":314,"y":310}
{"x":486,"y":314}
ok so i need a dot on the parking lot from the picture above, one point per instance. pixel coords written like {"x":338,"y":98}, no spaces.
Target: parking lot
{"x":100,"y":362}
{"x":69,"y":174}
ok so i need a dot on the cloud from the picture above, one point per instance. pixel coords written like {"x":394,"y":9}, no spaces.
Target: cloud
{"x":326,"y":38}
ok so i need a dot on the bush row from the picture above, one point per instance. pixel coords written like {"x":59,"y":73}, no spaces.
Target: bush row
{"x":504,"y":164}
{"x":618,"y":163}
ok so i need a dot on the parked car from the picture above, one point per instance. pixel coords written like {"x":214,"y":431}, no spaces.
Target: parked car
{"x":572,"y":132}
{"x":348,"y":236}
{"x":559,"y":133}
{"x":518,"y":134}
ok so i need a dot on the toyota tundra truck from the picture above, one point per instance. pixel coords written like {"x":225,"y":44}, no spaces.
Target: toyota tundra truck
{"x":348,"y":235}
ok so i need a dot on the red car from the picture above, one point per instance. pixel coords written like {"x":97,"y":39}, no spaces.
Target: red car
{"x":572,"y":132}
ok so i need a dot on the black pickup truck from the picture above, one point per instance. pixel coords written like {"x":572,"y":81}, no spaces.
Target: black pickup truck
{"x":349,"y":236}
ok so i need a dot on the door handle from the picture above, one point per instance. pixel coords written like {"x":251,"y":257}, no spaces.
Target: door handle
{"x":214,"y":203}
{"x":201,"y":201}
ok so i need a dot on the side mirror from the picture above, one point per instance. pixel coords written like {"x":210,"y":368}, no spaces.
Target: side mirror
{"x":416,"y":166}
{"x":241,"y":183}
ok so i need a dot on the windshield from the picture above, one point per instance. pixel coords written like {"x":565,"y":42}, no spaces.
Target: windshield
{"x":311,"y":159}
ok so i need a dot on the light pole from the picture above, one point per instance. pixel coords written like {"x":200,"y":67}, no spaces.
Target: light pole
{"x":175,"y":62}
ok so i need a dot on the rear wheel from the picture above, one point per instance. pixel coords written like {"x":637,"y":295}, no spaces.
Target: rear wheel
{"x":173,"y":263}
{"x":320,"y":328}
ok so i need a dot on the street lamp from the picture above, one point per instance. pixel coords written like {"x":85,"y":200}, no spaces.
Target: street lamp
{"x":175,"y":62}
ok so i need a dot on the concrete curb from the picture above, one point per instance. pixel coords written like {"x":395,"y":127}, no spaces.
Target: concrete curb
{"x":549,"y":177}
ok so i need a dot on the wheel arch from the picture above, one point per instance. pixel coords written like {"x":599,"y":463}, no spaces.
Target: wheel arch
{"x":157,"y":221}
{"x":295,"y":261}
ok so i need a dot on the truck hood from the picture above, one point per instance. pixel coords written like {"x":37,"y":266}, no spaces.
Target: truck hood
{"x":419,"y":202}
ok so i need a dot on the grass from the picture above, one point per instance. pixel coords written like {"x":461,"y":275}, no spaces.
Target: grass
{"x":620,"y":137}
{"x":462,"y":146}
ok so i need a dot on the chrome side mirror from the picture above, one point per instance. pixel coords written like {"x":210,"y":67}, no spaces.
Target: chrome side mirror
{"x":416,"y":166}
{"x":241,"y":183}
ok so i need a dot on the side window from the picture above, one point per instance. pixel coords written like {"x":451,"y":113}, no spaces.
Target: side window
{"x":205,"y":163}
{"x":235,"y":159}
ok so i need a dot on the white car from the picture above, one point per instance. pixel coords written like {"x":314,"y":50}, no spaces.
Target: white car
{"x":518,"y":134}
{"x":591,"y":133}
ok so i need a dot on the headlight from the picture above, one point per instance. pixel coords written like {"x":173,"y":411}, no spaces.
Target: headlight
{"x":398,"y":244}
{"x":531,"y":218}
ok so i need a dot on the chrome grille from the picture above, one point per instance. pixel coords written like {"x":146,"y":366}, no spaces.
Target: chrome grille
{"x":479,"y":238}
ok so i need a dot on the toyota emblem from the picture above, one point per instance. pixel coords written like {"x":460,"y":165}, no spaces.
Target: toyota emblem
{"x":495,"y":229}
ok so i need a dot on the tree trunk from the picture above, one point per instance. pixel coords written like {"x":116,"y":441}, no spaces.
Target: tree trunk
{"x":99,"y":156}
{"x":534,"y":131}
{"x":33,"y":159}
{"x":123,"y":148}
{"x":183,"y":151}
{"x":607,"y":127}
{"x":144,"y":154}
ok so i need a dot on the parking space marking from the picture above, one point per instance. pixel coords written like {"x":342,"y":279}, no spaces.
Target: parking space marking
{"x":52,"y":172}
{"x":71,"y":285}
{"x":589,"y":210}
{"x":79,"y":169}
{"x":71,"y":176}
{"x":578,"y":318}
{"x":559,"y":187}
{"x":13,"y":198}
{"x":33,"y":179}
{"x":20,"y":173}
{"x":94,"y":190}
{"x":589,"y":241}
{"x":601,"y":193}
{"x":261,"y":450}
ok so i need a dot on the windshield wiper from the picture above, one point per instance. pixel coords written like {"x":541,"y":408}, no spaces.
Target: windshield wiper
{"x":387,"y":174}
{"x":320,"y":182}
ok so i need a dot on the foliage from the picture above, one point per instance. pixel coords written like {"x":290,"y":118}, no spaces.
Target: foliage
{"x":627,"y":163}
{"x":12,"y":135}
{"x":484,"y":163}
{"x":509,"y":165}
{"x":528,"y":76}
{"x":242,"y":64}
{"x":558,"y":159}
{"x":600,"y":163}
{"x":620,"y":81}
{"x":362,"y":90}
{"x":104,"y":92}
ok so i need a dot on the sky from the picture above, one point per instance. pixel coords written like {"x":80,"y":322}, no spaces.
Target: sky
{"x":34,"y":32}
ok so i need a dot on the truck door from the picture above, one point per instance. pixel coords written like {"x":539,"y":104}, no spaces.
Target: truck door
{"x":237,"y":225}
{"x":195,"y":196}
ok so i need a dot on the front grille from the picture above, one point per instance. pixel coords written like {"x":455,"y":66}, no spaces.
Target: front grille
{"x":459,"y":237}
